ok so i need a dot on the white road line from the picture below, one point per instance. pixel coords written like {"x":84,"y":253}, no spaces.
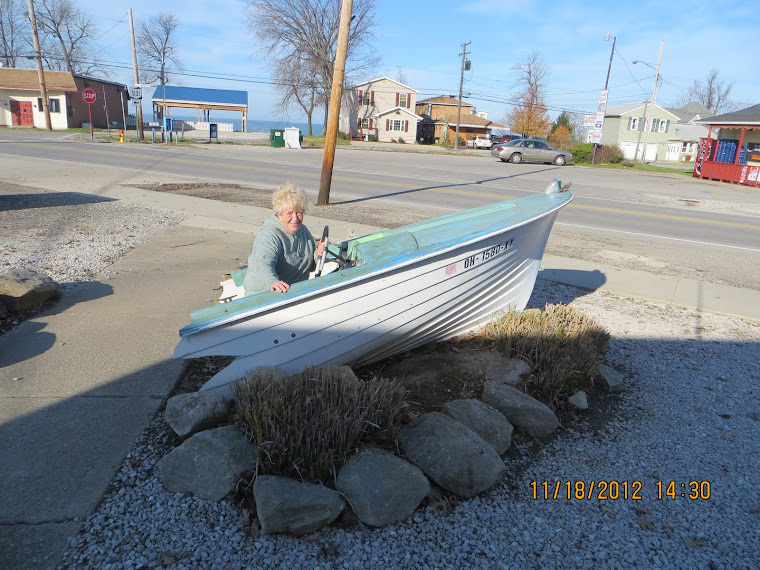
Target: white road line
{"x":659,"y":237}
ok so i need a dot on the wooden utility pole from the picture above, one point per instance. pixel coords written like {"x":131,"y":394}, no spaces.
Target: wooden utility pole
{"x":40,"y":71}
{"x":461,"y":85}
{"x":331,"y":135}
{"x":137,"y":79}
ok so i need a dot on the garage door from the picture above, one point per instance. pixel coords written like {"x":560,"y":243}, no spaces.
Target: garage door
{"x":629,"y":150}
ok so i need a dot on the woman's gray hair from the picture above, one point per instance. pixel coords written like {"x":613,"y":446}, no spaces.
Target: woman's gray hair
{"x":288,"y":196}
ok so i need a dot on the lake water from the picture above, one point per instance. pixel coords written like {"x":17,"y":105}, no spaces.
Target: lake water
{"x":261,"y":126}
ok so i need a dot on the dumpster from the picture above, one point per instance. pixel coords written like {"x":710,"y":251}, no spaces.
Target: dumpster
{"x":277,"y":138}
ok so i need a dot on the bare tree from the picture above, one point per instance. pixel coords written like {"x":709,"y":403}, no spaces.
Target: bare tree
{"x":298,"y":86}
{"x":157,"y":48}
{"x":303,"y":34}
{"x":528,"y":115}
{"x":14,"y":35}
{"x":713,"y":94}
{"x":66,"y":34}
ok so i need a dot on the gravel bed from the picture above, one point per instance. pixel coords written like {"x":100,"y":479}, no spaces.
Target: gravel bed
{"x":690,"y":412}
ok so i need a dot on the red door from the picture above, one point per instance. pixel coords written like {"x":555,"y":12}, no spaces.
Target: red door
{"x":21,"y":114}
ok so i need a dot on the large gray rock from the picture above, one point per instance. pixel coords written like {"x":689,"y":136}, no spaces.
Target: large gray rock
{"x":611,"y":379}
{"x":489,"y":423}
{"x":190,"y":413}
{"x":522,"y":411}
{"x":451,"y":454}
{"x":382,"y":488}
{"x":291,"y":507}
{"x":22,"y":289}
{"x":210,"y":464}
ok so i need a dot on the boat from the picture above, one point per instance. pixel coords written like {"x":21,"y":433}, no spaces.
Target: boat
{"x":394,"y":290}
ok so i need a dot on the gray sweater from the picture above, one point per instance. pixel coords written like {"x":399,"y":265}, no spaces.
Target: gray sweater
{"x":278,"y":255}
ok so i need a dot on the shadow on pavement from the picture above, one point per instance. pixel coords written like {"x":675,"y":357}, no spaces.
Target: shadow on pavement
{"x":47,"y":200}
{"x":36,"y":340}
{"x":585,"y":280}
{"x":438,"y":186}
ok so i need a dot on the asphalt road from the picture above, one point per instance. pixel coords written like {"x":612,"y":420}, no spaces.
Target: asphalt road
{"x":664,"y":223}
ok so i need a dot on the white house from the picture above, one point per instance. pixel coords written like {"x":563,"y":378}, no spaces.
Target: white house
{"x":380,"y":109}
{"x":20,"y":101}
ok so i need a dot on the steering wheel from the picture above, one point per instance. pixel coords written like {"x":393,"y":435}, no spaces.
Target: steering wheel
{"x":321,"y":260}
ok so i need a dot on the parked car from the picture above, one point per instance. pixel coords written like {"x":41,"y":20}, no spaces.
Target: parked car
{"x":479,"y":142}
{"x":533,"y":150}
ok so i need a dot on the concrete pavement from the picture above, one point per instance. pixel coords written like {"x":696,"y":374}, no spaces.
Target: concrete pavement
{"x":80,"y":382}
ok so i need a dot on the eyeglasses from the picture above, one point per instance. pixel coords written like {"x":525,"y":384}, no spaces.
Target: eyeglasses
{"x":289,"y":213}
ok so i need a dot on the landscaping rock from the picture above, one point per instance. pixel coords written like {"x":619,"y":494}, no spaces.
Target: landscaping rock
{"x":522,"y":411}
{"x":188,"y":414}
{"x":382,"y":488}
{"x":22,"y":289}
{"x":210,"y":464}
{"x":578,"y":400}
{"x":291,"y":507}
{"x":612,"y":379}
{"x":451,"y":454}
{"x":489,"y":423}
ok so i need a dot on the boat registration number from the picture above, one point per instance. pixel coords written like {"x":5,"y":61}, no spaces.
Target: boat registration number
{"x":483,"y":256}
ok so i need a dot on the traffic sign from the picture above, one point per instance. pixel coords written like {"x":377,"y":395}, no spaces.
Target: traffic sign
{"x":89,"y":96}
{"x":135,"y":92}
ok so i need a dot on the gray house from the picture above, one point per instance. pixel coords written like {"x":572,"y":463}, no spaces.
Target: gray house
{"x":672,"y":134}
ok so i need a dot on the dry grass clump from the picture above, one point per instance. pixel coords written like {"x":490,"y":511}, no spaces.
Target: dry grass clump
{"x":561,"y":344}
{"x":308,"y":425}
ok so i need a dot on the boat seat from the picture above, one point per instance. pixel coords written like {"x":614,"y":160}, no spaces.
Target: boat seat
{"x":395,"y":244}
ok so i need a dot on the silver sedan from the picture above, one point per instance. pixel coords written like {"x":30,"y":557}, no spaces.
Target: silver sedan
{"x":534,"y":150}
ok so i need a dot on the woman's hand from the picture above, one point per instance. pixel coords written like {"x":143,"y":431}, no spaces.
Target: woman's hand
{"x":320,"y":248}
{"x":279,"y":286}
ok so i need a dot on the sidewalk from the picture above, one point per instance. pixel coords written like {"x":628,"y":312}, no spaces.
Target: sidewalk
{"x":80,"y":383}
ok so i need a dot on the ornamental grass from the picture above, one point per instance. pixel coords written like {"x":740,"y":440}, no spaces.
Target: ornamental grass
{"x":308,"y":425}
{"x":562,"y":345}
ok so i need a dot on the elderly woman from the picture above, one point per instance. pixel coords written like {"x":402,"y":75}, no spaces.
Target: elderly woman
{"x":283,"y":251}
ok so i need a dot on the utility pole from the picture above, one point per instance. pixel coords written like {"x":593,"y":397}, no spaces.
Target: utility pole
{"x":648,"y":124}
{"x":461,"y":84}
{"x":606,"y":86}
{"x":40,"y":71}
{"x":333,"y":117}
{"x":137,"y":79}
{"x":638,"y":140}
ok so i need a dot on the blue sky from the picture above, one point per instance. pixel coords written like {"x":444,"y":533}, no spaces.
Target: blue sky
{"x":423,"y":41}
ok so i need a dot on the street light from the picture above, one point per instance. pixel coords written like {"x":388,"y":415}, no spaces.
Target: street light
{"x":648,"y":123}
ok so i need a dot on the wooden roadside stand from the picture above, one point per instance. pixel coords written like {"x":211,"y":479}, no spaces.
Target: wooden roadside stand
{"x":735,"y":155}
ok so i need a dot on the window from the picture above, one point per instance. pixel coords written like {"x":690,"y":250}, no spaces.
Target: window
{"x":396,"y":125}
{"x":633,"y":124}
{"x":367,"y":97}
{"x":364,"y":124}
{"x":55,"y":105}
{"x":403,"y":100}
{"x":664,"y":126}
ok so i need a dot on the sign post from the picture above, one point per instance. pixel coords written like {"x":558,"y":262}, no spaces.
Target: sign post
{"x":89,"y":97}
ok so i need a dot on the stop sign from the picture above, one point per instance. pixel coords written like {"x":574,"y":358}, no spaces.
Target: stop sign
{"x":89,"y":95}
